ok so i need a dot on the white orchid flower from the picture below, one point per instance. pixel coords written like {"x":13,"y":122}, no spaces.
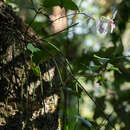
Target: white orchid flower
{"x":101,"y":25}
{"x":104,"y":23}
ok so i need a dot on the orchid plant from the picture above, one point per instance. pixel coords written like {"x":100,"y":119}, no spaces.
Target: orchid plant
{"x":103,"y":24}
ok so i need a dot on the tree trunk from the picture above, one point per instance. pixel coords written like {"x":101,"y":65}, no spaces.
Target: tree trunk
{"x":22,"y":103}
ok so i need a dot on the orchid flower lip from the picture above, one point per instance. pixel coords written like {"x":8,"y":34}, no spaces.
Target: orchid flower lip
{"x":111,"y":22}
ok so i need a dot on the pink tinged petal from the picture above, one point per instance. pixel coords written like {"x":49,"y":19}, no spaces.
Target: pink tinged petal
{"x":112,"y":27}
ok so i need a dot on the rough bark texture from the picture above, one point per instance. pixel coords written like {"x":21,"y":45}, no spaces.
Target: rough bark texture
{"x":20,"y":108}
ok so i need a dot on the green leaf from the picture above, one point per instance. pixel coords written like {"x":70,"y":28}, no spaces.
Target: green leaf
{"x":40,"y":57}
{"x":99,"y":78}
{"x":112,"y":68}
{"x":84,"y":121}
{"x":51,"y":3}
{"x":32,"y":48}
{"x":102,"y":60}
{"x":69,"y":4}
{"x":35,"y":69}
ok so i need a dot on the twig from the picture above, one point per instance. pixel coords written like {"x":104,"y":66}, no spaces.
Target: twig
{"x":87,"y":15}
{"x":60,"y":31}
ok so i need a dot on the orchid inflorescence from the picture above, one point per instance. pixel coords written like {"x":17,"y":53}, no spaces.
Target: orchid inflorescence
{"x":105,"y":23}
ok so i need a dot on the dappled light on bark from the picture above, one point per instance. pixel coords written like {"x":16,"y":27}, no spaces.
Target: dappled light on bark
{"x":59,"y":21}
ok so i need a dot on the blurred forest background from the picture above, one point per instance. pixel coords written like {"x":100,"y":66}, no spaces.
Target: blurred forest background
{"x":93,"y":70}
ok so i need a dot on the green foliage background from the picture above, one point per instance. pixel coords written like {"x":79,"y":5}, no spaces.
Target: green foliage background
{"x":102,"y":67}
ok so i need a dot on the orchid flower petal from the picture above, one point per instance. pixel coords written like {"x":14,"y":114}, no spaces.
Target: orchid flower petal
{"x":112,"y":27}
{"x":102,"y":25}
{"x":114,"y":15}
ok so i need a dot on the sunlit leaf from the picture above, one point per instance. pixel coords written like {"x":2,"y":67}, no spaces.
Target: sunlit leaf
{"x":93,"y":68}
{"x":35,"y":69}
{"x":112,"y":68}
{"x":102,"y":60}
{"x":86,"y":122}
{"x":32,"y":48}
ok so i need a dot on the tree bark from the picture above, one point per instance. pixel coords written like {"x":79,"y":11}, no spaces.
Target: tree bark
{"x":20,"y":106}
